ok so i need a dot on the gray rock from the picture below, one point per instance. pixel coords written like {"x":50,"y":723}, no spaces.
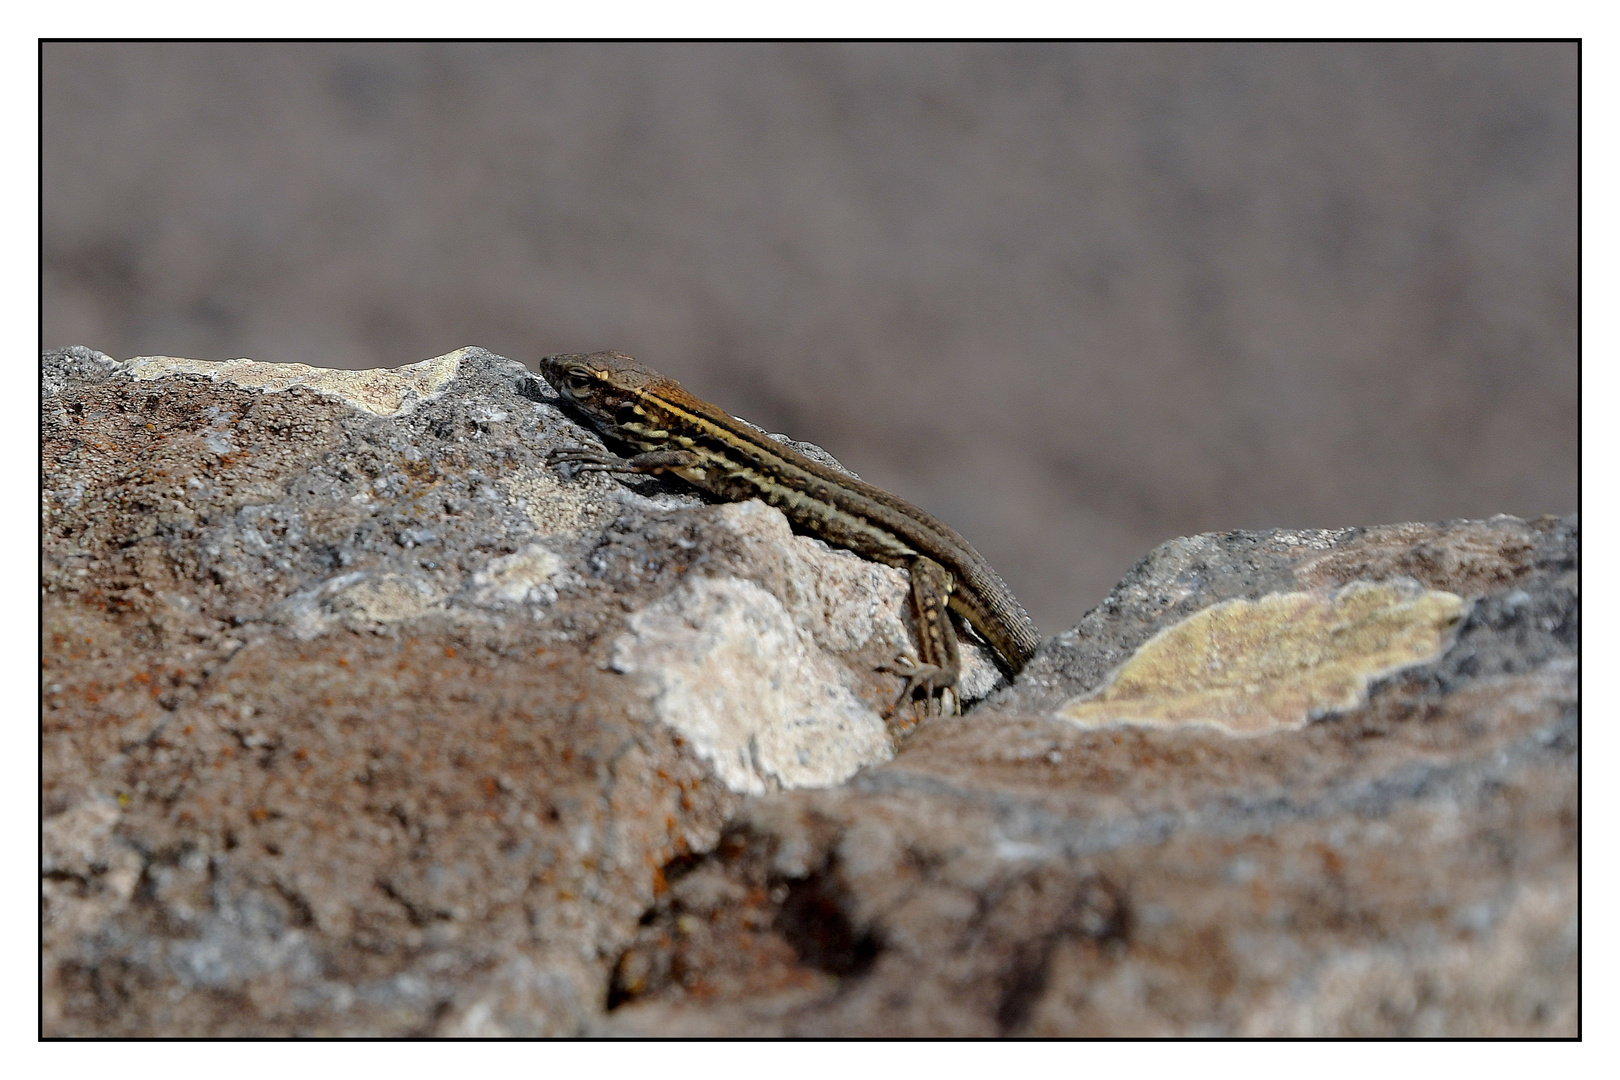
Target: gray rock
{"x":361,"y":720}
{"x":1403,"y":866}
{"x":383,"y":712}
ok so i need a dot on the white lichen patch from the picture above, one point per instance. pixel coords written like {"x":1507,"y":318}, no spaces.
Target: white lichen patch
{"x":1249,"y":667}
{"x":379,"y":391}
{"x":385,"y":599}
{"x":749,"y":689}
{"x":523,"y":576}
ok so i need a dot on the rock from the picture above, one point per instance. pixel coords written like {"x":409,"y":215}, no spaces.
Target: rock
{"x":1399,"y":862}
{"x":360,"y":720}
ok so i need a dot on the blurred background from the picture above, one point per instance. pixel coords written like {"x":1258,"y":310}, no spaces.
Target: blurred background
{"x":1075,"y":300}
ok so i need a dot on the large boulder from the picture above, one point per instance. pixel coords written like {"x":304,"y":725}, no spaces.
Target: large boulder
{"x":359,"y":719}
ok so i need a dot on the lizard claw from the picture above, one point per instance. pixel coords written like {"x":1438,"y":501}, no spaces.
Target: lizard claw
{"x":573,"y":460}
{"x":925,"y":676}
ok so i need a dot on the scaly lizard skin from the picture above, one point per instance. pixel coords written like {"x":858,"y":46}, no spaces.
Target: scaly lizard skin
{"x":678,"y":433}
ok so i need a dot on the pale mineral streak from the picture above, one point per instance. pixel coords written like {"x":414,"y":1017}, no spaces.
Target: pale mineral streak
{"x":523,"y":575}
{"x":379,"y":391}
{"x":749,"y":689}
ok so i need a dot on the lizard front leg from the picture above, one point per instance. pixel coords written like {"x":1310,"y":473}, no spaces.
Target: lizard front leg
{"x":654,"y":461}
{"x":940,"y":662}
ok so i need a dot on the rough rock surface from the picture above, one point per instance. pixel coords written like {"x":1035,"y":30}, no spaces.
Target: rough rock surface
{"x":360,"y":720}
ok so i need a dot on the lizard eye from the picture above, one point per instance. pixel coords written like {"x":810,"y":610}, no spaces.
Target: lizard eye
{"x":578,"y":380}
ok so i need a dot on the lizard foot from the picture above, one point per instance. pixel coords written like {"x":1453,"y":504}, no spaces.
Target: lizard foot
{"x":933,"y":679}
{"x":583,"y":459}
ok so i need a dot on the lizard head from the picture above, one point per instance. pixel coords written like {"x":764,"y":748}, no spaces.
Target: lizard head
{"x":605,"y":386}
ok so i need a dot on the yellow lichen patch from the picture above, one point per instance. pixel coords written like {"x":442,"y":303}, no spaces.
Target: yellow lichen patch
{"x":380,"y":391}
{"x":1249,"y":667}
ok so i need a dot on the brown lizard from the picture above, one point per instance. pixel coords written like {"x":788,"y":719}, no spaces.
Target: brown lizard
{"x":678,"y":433}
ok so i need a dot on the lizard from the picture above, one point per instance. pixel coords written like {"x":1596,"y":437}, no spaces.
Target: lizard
{"x":678,"y":433}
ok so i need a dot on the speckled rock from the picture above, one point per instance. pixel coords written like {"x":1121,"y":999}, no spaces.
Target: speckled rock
{"x":358,"y":719}
{"x":1404,"y":865}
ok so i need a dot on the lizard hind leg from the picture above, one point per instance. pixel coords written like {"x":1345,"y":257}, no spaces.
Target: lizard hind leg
{"x":940,"y":662}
